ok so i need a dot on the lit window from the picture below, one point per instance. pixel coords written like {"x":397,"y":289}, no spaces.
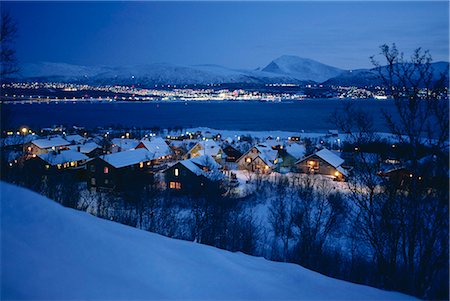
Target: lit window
{"x":174,"y":185}
{"x":72,"y":164}
{"x":106,"y":169}
{"x":47,"y":166}
{"x":29,"y":148}
{"x":59,"y":166}
{"x":336,"y":174}
{"x":248,"y":159}
{"x":141,"y":165}
{"x":177,"y":172}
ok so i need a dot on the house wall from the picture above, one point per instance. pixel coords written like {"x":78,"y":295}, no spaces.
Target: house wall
{"x":119,"y":178}
{"x":320,"y":166}
{"x":188,"y":181}
{"x":256,"y":164}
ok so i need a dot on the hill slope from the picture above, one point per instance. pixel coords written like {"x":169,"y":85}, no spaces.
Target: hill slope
{"x":51,"y":252}
{"x":302,"y":69}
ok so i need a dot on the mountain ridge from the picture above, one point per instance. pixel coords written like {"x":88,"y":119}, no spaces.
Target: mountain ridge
{"x":284,"y":69}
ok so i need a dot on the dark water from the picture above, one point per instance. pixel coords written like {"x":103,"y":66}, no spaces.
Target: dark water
{"x":308,"y":115}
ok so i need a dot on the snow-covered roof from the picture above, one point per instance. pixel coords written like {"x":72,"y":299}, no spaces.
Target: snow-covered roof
{"x":54,"y":158}
{"x":85,"y":148}
{"x":157,"y":145}
{"x":195,"y":165}
{"x":75,"y":138}
{"x":209,"y":147}
{"x":330,"y":157}
{"x":267,"y":154}
{"x":127,"y":158}
{"x":296,"y":150}
{"x":50,"y":142}
{"x":125,"y":144}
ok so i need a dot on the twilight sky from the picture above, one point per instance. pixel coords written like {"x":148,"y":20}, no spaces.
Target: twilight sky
{"x":233,"y":34}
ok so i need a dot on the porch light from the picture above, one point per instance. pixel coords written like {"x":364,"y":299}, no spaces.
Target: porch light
{"x":336,"y":174}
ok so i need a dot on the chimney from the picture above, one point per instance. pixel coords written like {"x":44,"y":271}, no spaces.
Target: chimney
{"x":78,"y":148}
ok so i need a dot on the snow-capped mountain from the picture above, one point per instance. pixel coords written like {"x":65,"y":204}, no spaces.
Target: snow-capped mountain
{"x":285,"y":69}
{"x":302,"y":69}
{"x":147,"y":74}
{"x":55,"y":253}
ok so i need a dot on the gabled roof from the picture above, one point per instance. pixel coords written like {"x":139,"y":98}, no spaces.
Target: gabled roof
{"x":209,"y":147}
{"x":195,"y":165}
{"x":50,"y":142}
{"x":267,"y":154}
{"x":75,"y":138}
{"x":125,"y":144}
{"x":54,"y":158}
{"x":328,"y":156}
{"x":85,"y":148}
{"x":128,"y":158}
{"x":157,"y":146}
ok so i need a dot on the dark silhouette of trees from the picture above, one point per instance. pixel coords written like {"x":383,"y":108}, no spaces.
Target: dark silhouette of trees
{"x":8,"y":34}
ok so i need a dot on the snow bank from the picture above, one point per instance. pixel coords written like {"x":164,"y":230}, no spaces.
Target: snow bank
{"x":52,"y":252}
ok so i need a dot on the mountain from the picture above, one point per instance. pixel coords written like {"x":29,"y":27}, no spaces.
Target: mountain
{"x":55,"y":253}
{"x":147,"y":74}
{"x":369,"y":77}
{"x":302,"y":69}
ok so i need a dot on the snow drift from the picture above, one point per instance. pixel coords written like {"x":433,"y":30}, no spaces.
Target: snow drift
{"x":52,"y":252}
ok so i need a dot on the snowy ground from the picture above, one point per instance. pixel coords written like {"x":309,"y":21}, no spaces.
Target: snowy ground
{"x":51,"y":252}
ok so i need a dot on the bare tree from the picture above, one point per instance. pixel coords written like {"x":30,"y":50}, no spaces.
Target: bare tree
{"x":8,"y":34}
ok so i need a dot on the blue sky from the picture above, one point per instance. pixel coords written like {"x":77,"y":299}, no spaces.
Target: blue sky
{"x":233,"y":34}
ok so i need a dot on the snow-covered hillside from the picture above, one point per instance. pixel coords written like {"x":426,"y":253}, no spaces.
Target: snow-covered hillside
{"x":302,"y":69}
{"x":147,"y":74}
{"x":52,"y":252}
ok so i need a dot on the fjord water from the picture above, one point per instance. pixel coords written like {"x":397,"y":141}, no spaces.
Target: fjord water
{"x":307,"y":115}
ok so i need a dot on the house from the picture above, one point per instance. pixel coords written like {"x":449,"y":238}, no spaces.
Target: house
{"x":231,"y":153}
{"x":323,"y":162}
{"x":157,"y":146}
{"x":430,"y":170}
{"x":260,"y":158}
{"x":123,"y":144}
{"x":45,"y":145}
{"x":57,"y":160}
{"x":208,"y":148}
{"x":90,"y":149}
{"x":290,"y":154}
{"x":117,"y":170}
{"x":75,"y":139}
{"x":194,"y":176}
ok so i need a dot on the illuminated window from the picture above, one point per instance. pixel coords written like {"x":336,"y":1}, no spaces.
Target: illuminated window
{"x":106,"y":169}
{"x":29,"y":148}
{"x":47,"y":166}
{"x":174,"y":185}
{"x":73,"y":163}
{"x":248,"y":160}
{"x":141,"y":165}
{"x":176,"y":172}
{"x":59,"y":166}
